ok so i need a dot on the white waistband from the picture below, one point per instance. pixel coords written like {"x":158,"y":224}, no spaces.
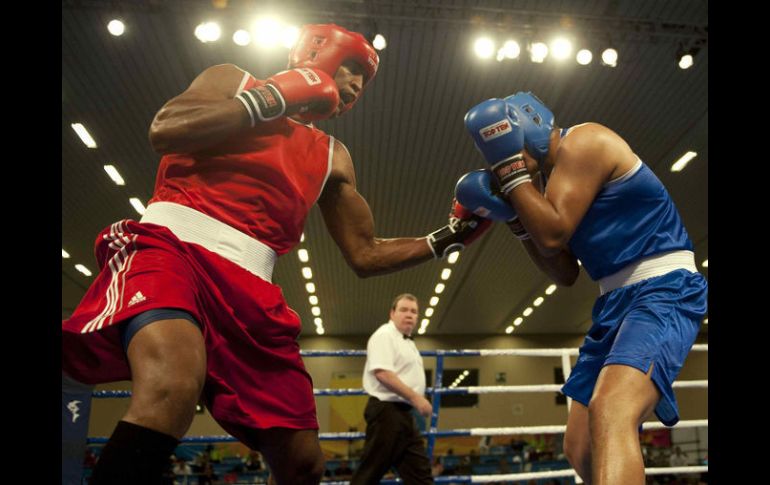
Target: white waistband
{"x":647,"y":268}
{"x":192,"y":226}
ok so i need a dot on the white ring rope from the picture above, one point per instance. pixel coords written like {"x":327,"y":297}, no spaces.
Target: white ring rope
{"x":560,"y":428}
{"x":557,"y":387}
{"x":565,"y":355}
{"x":569,"y":472}
{"x":691,"y":384}
{"x":552,"y":352}
{"x":528,"y":352}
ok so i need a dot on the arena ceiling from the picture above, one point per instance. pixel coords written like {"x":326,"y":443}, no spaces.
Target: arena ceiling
{"x":406,"y":135}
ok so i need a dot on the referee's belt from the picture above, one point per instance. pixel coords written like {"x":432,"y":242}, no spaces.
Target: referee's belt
{"x":401,"y":406}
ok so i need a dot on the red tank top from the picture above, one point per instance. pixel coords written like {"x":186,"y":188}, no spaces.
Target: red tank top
{"x":262,"y":182}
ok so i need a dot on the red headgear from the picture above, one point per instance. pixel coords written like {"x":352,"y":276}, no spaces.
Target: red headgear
{"x":327,"y":46}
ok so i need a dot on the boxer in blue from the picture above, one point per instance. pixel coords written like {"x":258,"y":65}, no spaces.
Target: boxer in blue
{"x":582,"y":193}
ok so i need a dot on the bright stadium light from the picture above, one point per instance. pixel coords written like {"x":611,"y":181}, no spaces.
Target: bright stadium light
{"x":116,"y":27}
{"x":584,"y":57}
{"x":484,"y":47}
{"x":561,"y":48}
{"x":538,"y":52}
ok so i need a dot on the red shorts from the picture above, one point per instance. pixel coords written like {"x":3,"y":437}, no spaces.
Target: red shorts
{"x":255,"y":376}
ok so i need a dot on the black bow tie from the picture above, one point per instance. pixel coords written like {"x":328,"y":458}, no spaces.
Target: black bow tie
{"x":408,"y":337}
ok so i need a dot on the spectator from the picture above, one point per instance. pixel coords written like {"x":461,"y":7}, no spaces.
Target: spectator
{"x":436,"y":468}
{"x":678,"y":458}
{"x":343,"y":472}
{"x":182,"y":468}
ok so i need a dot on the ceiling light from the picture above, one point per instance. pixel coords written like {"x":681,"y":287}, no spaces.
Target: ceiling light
{"x":85,"y":137}
{"x":510,"y":49}
{"x":538,"y":52}
{"x":685,"y":61}
{"x":137,"y":204}
{"x":83,"y":269}
{"x":680,"y":164}
{"x":289,"y":36}
{"x":379,"y":42}
{"x":484,"y":47}
{"x":241,"y":37}
{"x":610,"y":57}
{"x":116,"y":27}
{"x":584,"y":57}
{"x":561,"y":48}
{"x":114,"y":174}
{"x":208,"y":32}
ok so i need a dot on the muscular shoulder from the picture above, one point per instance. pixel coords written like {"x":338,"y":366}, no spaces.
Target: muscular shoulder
{"x":221,"y":80}
{"x":342,"y":164}
{"x":592,"y":137}
{"x":594,"y":144}
{"x":585,"y":137}
{"x":342,"y":176}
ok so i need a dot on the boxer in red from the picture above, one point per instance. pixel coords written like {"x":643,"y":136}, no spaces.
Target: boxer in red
{"x":184,"y":302}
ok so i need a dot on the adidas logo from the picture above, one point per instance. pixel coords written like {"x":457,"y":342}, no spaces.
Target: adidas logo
{"x":137,"y":298}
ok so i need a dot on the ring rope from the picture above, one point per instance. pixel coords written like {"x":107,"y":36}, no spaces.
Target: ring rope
{"x":564,"y":353}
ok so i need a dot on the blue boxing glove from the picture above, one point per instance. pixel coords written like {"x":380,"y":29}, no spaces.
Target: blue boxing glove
{"x":498,"y":135}
{"x":479,"y":192}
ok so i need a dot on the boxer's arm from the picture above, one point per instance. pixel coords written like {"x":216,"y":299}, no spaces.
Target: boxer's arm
{"x":476,"y":191}
{"x":351,"y":224}
{"x":584,"y":162}
{"x":562,"y":268}
{"x":203,"y":115}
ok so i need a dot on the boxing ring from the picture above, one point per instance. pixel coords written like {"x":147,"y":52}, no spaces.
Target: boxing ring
{"x":437,"y":391}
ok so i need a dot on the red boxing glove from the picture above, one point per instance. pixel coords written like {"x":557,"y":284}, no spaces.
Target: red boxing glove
{"x":309,"y":92}
{"x":464,"y":227}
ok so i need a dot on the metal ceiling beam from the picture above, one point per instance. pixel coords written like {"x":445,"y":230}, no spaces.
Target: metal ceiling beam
{"x":526,"y":22}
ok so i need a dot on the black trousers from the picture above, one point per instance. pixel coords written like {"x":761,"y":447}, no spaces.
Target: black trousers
{"x":392,"y":439}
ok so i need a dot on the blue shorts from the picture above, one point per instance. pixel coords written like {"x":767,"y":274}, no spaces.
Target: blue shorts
{"x":654,"y":321}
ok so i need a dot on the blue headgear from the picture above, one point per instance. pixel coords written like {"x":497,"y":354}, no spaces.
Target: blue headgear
{"x":536,"y":120}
